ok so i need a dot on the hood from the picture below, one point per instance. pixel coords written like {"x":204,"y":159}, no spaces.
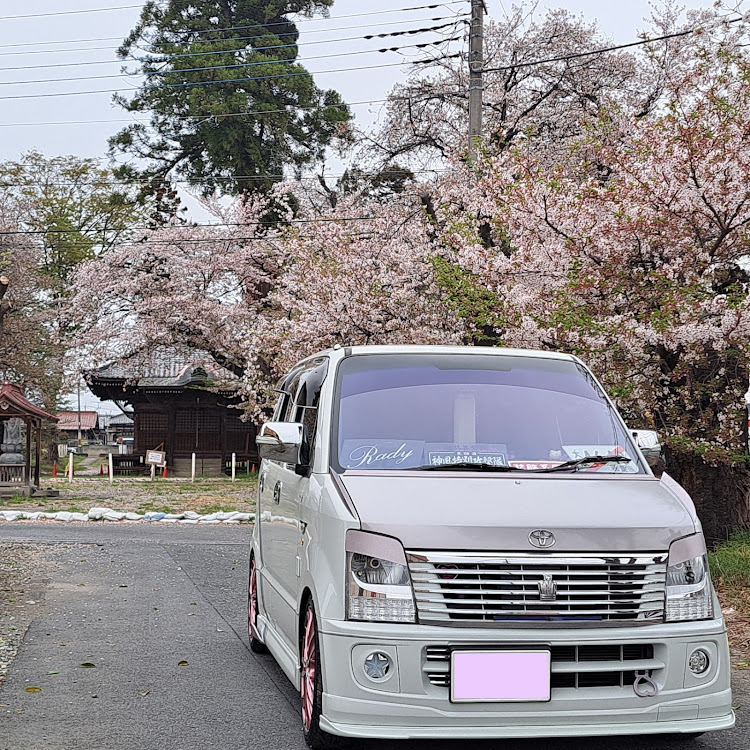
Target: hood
{"x":497,"y":512}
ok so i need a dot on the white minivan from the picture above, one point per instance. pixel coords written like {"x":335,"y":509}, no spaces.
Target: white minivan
{"x":459,"y":542}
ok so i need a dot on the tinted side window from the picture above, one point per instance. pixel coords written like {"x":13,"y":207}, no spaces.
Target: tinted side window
{"x":307,"y":395}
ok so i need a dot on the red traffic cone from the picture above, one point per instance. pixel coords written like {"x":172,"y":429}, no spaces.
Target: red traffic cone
{"x":54,"y":469}
{"x":164,"y":472}
{"x":253,"y":468}
{"x":101,"y":469}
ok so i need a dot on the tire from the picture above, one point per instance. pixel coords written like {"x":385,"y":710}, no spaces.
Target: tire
{"x":256,"y":646}
{"x":311,"y":684}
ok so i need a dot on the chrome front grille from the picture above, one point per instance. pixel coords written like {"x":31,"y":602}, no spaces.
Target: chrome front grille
{"x":578,"y":667}
{"x":490,"y":588}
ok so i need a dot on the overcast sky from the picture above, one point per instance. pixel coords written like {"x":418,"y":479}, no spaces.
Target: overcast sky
{"x":69,"y":45}
{"x":80,"y":39}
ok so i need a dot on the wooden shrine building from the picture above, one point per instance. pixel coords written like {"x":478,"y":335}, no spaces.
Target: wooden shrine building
{"x":182,"y":408}
{"x":21,"y":423}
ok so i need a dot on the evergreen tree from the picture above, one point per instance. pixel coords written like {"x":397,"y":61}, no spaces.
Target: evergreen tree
{"x":230,"y":106}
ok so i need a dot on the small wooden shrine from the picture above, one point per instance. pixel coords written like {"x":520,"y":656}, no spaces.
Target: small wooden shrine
{"x":21,"y":424}
{"x":179,"y":407}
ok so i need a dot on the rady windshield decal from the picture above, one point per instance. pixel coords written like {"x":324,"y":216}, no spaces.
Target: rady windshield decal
{"x":381,"y":454}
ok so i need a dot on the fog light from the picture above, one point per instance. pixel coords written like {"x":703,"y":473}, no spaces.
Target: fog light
{"x":377,"y":665}
{"x":698,"y":661}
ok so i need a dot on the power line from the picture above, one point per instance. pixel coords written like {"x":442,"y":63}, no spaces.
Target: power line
{"x":229,"y":39}
{"x":575,"y":55}
{"x":83,"y":230}
{"x":69,"y":12}
{"x":234,"y":178}
{"x":227,"y":80}
{"x":231,"y":28}
{"x":201,"y":117}
{"x":149,"y":242}
{"x":167,"y":58}
{"x":256,"y":63}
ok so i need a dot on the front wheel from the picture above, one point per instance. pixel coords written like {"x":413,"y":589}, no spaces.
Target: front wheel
{"x":256,"y":645}
{"x":311,"y":684}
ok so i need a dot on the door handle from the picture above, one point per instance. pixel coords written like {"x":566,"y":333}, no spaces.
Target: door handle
{"x":277,"y":493}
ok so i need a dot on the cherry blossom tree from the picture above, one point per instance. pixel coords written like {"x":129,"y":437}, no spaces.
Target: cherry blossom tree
{"x":608,"y":217}
{"x":426,"y":117}
{"x":640,"y":268}
{"x":362,"y":274}
{"x":26,"y":341}
{"x":257,"y":297}
{"x":181,"y":285}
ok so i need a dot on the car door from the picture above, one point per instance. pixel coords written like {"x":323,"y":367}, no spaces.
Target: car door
{"x":282,"y":493}
{"x":271,"y":589}
{"x":294,"y":485}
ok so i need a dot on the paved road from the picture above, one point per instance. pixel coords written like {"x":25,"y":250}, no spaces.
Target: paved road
{"x":136,"y":600}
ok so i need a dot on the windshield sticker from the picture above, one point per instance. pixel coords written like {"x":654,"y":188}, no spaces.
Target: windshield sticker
{"x":440,"y":455}
{"x":534,"y":465}
{"x":583,"y":451}
{"x":381,"y":454}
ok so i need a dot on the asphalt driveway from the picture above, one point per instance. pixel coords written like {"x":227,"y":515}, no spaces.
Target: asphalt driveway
{"x":158,"y":615}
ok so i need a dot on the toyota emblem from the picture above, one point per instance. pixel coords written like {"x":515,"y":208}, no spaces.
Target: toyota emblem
{"x":541,"y":538}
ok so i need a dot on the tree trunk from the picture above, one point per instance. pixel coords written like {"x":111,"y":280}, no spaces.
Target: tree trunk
{"x":721,"y":493}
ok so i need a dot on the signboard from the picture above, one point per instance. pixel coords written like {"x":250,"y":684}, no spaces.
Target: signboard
{"x":475,"y":453}
{"x":156,"y":458}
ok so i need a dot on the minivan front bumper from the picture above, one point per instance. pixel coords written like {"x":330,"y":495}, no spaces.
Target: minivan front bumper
{"x":413,"y":700}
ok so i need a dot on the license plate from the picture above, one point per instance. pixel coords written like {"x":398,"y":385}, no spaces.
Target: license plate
{"x":500,"y":676}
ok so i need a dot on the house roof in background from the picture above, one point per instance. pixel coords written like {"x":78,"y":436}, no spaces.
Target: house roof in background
{"x":120,"y":420}
{"x":69,"y":420}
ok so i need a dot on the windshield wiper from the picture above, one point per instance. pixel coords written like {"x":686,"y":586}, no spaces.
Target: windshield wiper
{"x":464,"y":466}
{"x":586,"y":460}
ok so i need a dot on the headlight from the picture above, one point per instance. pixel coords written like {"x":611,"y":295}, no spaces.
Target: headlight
{"x":379,"y":586}
{"x":689,"y":594}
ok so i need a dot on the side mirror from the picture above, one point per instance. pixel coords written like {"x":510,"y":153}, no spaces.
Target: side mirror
{"x":281,"y":441}
{"x":648,"y":441}
{"x":650,"y":445}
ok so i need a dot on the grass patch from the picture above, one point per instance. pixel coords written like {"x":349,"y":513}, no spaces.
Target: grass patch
{"x":15,"y":500}
{"x":730,"y":570}
{"x":730,"y":564}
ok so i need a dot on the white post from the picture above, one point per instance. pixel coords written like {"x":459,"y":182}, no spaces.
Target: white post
{"x":192,"y":472}
{"x":234,"y":466}
{"x":70,"y":466}
{"x":110,"y":466}
{"x":153,"y":472}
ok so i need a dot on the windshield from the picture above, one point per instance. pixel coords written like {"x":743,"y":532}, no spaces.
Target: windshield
{"x":429,"y":410}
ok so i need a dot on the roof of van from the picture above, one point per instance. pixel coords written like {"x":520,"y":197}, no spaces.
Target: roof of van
{"x":434,"y":349}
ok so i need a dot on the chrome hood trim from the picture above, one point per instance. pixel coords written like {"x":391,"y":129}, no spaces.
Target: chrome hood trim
{"x":455,"y":511}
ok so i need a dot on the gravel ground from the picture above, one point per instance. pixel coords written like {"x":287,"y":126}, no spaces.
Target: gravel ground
{"x":143,"y":495}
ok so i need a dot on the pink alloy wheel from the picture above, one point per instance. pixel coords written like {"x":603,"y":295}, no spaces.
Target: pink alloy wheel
{"x":309,"y":658}
{"x":252,"y":600}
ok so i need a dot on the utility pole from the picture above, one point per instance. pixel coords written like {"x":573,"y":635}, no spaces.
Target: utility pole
{"x":476,"y":63}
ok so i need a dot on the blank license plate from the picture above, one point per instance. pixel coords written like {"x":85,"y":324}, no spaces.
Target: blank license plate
{"x":497,"y":676}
